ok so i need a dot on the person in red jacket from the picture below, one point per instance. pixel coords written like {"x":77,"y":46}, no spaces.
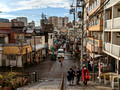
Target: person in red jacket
{"x":85,"y":75}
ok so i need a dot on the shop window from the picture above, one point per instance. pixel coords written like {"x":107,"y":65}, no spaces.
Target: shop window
{"x":1,"y":40}
{"x":11,"y":57}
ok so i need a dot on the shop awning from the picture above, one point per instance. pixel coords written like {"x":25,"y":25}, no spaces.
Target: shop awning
{"x":38,"y":47}
{"x":71,"y":29}
{"x":16,"y":50}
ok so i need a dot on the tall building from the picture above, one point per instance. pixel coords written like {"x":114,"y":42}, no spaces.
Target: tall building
{"x":53,"y":20}
{"x":58,"y":22}
{"x":22,"y":19}
{"x":95,"y":31}
{"x":62,"y":22}
{"x":111,"y":35}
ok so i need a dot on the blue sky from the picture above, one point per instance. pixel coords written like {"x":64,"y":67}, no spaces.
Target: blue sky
{"x":32,"y":9}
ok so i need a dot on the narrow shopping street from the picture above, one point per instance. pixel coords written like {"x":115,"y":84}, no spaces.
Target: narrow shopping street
{"x":50,"y":77}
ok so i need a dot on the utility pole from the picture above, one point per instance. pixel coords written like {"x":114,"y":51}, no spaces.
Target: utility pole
{"x":82,"y":34}
{"x":34,"y":48}
{"x":74,"y":30}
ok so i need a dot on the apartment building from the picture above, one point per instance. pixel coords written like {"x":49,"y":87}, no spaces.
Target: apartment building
{"x":58,"y":22}
{"x":95,"y":30}
{"x":86,"y":8}
{"x":22,"y":19}
{"x":111,"y":32}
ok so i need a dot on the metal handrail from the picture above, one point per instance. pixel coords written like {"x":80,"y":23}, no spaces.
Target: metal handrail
{"x":62,"y":83}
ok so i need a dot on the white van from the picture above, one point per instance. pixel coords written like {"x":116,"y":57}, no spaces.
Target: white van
{"x":60,"y":53}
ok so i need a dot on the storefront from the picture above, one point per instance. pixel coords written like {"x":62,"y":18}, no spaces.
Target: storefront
{"x":16,"y":55}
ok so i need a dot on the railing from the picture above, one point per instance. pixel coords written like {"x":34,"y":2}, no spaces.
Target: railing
{"x":108,"y":24}
{"x":116,"y":22}
{"x":116,"y":50}
{"x":62,"y":83}
{"x":107,"y":47}
{"x":111,"y":3}
{"x":94,"y":77}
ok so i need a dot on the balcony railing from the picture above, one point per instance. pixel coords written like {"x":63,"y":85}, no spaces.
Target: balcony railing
{"x":117,"y":22}
{"x":107,"y":47}
{"x":108,"y":24}
{"x":111,"y":3}
{"x":116,"y":50}
{"x":113,"y":49}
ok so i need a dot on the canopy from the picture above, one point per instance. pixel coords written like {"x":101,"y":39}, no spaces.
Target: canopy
{"x":71,"y":29}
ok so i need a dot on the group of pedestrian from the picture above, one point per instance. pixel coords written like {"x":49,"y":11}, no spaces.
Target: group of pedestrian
{"x":78,"y":73}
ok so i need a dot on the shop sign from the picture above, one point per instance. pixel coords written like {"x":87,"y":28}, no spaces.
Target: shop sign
{"x":89,"y":47}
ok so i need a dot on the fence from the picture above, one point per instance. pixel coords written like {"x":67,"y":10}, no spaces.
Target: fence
{"x":94,"y":77}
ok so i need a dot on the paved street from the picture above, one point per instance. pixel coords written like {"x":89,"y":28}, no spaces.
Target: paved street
{"x":50,"y":78}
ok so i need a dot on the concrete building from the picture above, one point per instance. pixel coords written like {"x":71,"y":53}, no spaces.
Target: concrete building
{"x":111,"y":32}
{"x":4,"y":20}
{"x":53,"y":20}
{"x":58,"y":22}
{"x":31,"y":24}
{"x":95,"y":30}
{"x":22,"y":19}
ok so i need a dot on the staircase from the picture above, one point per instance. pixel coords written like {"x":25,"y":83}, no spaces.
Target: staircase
{"x":50,"y":84}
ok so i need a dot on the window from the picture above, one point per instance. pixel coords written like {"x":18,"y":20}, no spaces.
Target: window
{"x":11,"y":57}
{"x":51,"y":36}
{"x":1,"y":40}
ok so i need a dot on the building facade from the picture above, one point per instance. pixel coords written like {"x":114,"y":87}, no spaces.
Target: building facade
{"x":22,"y":19}
{"x":58,"y":22}
{"x":95,"y":30}
{"x":111,"y":32}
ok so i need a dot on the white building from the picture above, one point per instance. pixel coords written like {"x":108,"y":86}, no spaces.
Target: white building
{"x":31,"y":24}
{"x":112,"y":34}
{"x":50,"y":40}
{"x":22,"y":19}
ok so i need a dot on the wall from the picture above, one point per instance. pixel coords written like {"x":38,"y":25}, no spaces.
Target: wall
{"x":50,"y":40}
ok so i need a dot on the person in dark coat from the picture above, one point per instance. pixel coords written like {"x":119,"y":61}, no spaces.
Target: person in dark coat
{"x":78,"y":75}
{"x":68,"y":76}
{"x":71,"y":74}
{"x":85,"y":72}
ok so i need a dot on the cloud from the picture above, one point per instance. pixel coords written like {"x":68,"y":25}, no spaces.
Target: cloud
{"x":66,"y":14}
{"x":8,"y":16}
{"x":35,"y":4}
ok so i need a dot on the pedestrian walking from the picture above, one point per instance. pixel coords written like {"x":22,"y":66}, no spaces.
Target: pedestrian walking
{"x":85,"y":75}
{"x":78,"y":75}
{"x":61,"y":60}
{"x":72,"y":74}
{"x":69,"y":76}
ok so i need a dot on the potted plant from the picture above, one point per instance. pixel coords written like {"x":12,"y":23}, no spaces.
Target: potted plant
{"x":115,"y":82}
{"x":101,"y":80}
{"x":107,"y":79}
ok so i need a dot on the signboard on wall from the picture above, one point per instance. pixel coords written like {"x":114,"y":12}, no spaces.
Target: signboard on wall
{"x":89,"y":47}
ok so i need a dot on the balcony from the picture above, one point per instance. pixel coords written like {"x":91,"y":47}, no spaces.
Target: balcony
{"x":111,"y":3}
{"x":116,"y":50}
{"x":113,"y":49}
{"x":107,"y":47}
{"x":98,"y":27}
{"x":97,"y":42}
{"x":93,"y":10}
{"x":116,"y":23}
{"x":108,"y":24}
